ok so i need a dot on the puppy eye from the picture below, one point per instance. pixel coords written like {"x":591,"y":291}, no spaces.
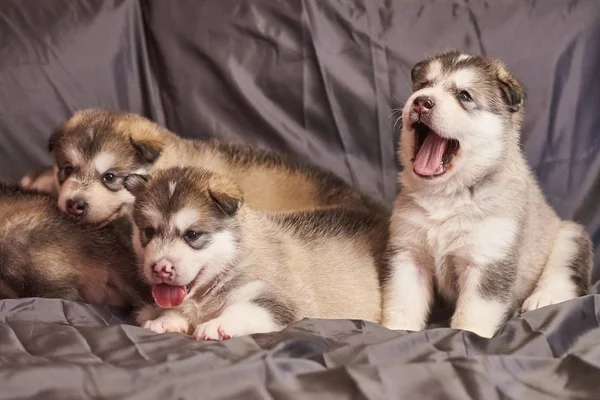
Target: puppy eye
{"x":463,"y":95}
{"x":192,"y":235}
{"x":67,"y":170}
{"x":149,"y":233}
{"x":109,"y":177}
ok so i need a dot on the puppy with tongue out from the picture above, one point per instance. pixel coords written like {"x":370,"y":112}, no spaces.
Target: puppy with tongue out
{"x":219,"y":269}
{"x":470,"y":221}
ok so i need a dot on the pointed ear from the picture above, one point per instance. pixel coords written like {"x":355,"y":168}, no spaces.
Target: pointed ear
{"x":225,"y":195}
{"x":417,"y":69}
{"x":513,"y":91}
{"x":148,"y":150}
{"x":53,"y":139}
{"x":135,"y":184}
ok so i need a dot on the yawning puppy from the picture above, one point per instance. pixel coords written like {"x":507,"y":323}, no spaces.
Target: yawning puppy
{"x":95,"y":149}
{"x":470,"y":219}
{"x":221,"y":269}
{"x":44,"y":253}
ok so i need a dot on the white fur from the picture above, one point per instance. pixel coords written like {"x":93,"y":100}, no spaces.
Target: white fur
{"x":188,"y":262}
{"x":463,"y":57}
{"x":554,"y":285}
{"x":237,"y":319}
{"x":463,"y":78}
{"x":434,"y":70}
{"x":407,"y":307}
{"x":172,"y":186}
{"x":103,"y":161}
{"x":169,"y":321}
{"x":183,"y":219}
{"x":492,"y":239}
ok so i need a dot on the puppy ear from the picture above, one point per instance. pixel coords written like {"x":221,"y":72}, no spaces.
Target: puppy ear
{"x":225,"y":195}
{"x":135,"y":184}
{"x":148,"y":150}
{"x":512,"y":90}
{"x":416,"y":70}
{"x":53,"y":139}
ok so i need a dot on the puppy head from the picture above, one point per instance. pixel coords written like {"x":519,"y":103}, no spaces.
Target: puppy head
{"x":186,"y":230}
{"x":93,"y":151}
{"x":461,"y":120}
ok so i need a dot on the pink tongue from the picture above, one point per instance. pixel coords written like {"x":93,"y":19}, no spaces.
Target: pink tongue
{"x":429,"y":158}
{"x":167,"y":295}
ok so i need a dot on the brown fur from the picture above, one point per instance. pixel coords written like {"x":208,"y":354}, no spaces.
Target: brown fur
{"x":43,"y":253}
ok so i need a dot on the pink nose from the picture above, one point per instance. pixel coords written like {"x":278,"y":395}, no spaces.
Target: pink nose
{"x":163,"y":269}
{"x":423,"y":104}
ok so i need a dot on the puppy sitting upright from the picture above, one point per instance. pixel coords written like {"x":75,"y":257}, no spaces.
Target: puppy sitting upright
{"x":470,"y":220}
{"x":96,"y":149}
{"x":224,"y":270}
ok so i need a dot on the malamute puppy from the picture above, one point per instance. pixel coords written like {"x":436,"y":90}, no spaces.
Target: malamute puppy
{"x":95,"y":150}
{"x":44,"y":253}
{"x":220,"y":269}
{"x":470,"y":221}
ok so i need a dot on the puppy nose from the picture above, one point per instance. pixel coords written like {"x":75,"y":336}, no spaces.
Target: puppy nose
{"x":76,"y":206}
{"x":423,"y":104}
{"x":163,"y":269}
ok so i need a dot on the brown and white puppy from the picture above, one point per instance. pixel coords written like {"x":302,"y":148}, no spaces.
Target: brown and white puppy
{"x":220,"y":269}
{"x":44,"y":253}
{"x":95,"y":149}
{"x":471,"y":221}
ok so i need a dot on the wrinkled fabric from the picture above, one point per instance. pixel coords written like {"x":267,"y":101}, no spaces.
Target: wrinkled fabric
{"x":323,"y":80}
{"x":63,"y":350}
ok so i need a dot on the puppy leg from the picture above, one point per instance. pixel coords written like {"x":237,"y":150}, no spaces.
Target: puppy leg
{"x":238,"y":319}
{"x":161,"y":321}
{"x":484,"y":301}
{"x":42,"y":180}
{"x":567,"y":273}
{"x":407,"y":293}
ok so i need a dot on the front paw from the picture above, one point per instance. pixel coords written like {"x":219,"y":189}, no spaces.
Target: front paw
{"x":403,"y":324}
{"x":167,"y":323}
{"x":545,"y":297}
{"x":215,"y":329}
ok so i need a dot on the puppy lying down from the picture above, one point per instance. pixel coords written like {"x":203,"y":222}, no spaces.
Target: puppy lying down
{"x":220,"y":269}
{"x":44,"y":253}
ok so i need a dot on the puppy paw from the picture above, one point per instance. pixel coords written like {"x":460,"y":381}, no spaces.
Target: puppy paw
{"x":215,"y":329}
{"x":167,"y":323}
{"x":401,"y":324}
{"x":544,"y":297}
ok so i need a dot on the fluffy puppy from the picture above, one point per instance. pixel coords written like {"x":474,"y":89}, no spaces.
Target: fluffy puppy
{"x":220,"y":269}
{"x":44,"y":253}
{"x":471,"y":221}
{"x":95,"y":150}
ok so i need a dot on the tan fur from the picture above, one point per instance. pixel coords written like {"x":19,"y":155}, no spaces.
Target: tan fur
{"x":271,"y":181}
{"x":316,"y":264}
{"x":45,"y":254}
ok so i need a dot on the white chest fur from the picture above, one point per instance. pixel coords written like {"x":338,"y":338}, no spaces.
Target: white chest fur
{"x":453,"y":234}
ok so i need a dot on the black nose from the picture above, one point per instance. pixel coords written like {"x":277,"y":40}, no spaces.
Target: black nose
{"x":423,"y":104}
{"x":76,"y":206}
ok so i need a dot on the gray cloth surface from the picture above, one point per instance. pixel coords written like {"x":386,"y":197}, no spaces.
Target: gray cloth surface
{"x":318,"y":79}
{"x":57,"y":349}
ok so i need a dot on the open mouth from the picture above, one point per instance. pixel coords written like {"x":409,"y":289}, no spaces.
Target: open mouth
{"x":433,"y":154}
{"x":169,"y":296}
